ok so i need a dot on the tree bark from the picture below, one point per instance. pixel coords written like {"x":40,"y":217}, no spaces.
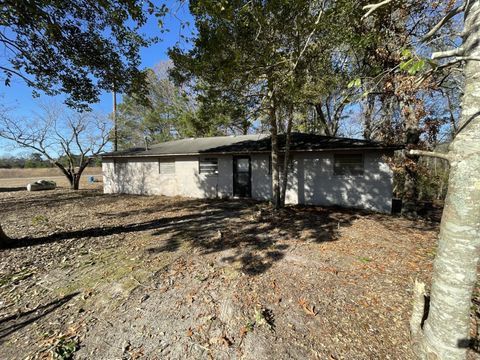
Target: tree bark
{"x":368,"y":114}
{"x":325,"y":127}
{"x":412,"y":139}
{"x":445,"y":332}
{"x":275,"y":172}
{"x":75,"y":184}
{"x":286,"y":159}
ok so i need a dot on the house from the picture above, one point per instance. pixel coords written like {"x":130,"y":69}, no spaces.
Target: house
{"x":323,"y":170}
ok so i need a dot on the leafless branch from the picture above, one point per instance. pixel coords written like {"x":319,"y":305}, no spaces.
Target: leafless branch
{"x":56,"y":133}
{"x":448,"y":53}
{"x":444,"y":20}
{"x":309,"y":38}
{"x":430,"y":154}
{"x":373,"y":7}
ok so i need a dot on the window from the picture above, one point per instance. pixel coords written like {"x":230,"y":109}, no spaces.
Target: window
{"x":208,"y":166}
{"x":166,"y":166}
{"x":348,"y":164}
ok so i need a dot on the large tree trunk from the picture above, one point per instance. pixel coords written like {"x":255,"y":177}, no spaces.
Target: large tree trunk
{"x":275,"y":172}
{"x":75,"y":184}
{"x":445,"y":332}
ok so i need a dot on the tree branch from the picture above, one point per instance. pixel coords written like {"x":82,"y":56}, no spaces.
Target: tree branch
{"x":448,"y":53}
{"x":442,"y":22}
{"x":309,"y":38}
{"x":373,"y":7}
{"x":27,"y":80}
{"x":430,"y":154}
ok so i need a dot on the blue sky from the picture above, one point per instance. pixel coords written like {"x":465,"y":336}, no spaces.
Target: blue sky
{"x":18,"y":96}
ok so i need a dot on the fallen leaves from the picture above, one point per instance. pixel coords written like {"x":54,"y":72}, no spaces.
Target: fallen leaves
{"x":309,"y":309}
{"x":344,"y":279}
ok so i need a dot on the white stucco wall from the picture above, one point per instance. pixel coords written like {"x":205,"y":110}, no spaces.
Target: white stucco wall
{"x":311,"y":180}
{"x":315,"y":183}
{"x":142,"y":176}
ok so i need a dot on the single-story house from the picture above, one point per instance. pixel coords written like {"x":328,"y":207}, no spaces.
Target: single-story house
{"x":323,"y":170}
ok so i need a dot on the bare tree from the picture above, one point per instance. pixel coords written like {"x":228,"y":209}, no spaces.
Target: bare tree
{"x":68,"y":139}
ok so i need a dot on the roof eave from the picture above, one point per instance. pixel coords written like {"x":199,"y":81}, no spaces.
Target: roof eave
{"x":112,"y":156}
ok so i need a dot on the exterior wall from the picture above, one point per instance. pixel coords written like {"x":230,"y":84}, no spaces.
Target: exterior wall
{"x":315,"y":183}
{"x":137,"y":176}
{"x":311,"y":180}
{"x":142,"y":176}
{"x":261,"y":179}
{"x":108,"y":178}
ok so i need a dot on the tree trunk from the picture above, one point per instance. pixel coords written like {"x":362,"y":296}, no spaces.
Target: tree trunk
{"x":275,"y":172}
{"x":325,"y":125}
{"x":286,"y":159}
{"x":75,"y":184}
{"x":445,"y":332}
{"x":412,"y":139}
{"x":368,"y":115}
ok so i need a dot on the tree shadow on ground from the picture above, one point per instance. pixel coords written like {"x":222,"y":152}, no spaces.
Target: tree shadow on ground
{"x":12,"y":189}
{"x":10,"y":324}
{"x":249,"y":233}
{"x":51,"y":198}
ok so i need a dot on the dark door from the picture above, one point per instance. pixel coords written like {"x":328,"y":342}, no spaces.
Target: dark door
{"x":242,"y":184}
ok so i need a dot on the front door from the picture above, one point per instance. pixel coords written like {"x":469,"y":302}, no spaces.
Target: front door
{"x":242,"y":184}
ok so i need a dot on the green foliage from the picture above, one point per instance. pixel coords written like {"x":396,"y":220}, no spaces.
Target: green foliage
{"x":292,"y":52}
{"x":34,"y":160}
{"x":78,"y":48}
{"x":15,"y":278}
{"x":166,"y":114}
{"x":355,"y":83}
{"x":64,"y":349}
{"x":412,"y":66}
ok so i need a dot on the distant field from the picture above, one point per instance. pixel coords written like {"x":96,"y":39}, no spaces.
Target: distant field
{"x":15,"y":179}
{"x":29,"y":173}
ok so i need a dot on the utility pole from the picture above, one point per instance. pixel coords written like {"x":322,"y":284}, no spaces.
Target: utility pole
{"x":115,"y":126}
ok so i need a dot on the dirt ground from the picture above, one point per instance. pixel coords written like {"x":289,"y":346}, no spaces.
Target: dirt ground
{"x":98,"y":276}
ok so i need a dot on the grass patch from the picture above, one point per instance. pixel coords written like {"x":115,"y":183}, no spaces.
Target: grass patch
{"x":15,"y":277}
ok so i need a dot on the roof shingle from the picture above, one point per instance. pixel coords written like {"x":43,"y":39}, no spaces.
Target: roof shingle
{"x":249,"y":144}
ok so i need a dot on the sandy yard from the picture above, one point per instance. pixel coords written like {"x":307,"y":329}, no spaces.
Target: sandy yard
{"x":96,"y":276}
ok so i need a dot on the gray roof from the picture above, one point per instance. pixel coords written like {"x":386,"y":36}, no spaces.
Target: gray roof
{"x":259,"y":143}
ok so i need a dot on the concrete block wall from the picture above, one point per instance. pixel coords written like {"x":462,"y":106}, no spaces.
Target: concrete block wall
{"x":311,"y":180}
